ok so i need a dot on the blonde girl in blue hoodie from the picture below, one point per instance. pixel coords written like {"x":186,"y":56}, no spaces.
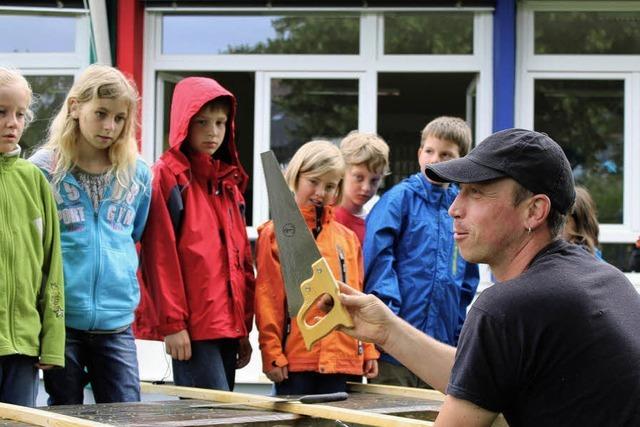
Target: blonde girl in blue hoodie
{"x":102,"y":190}
{"x":31,"y":288}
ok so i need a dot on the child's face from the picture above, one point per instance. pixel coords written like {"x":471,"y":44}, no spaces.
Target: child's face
{"x":207,"y":129}
{"x":360,"y":185}
{"x":100,"y":121}
{"x":317,"y":190}
{"x":14,"y":103}
{"x":436,"y":150}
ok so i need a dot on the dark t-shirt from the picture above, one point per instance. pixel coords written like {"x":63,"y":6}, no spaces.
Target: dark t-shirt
{"x":557,"y":346}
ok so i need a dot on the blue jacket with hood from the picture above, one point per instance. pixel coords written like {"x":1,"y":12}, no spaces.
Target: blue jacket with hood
{"x":98,"y":248}
{"x":412,"y":262}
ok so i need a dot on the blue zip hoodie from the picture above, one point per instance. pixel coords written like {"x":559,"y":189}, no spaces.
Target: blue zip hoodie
{"x":98,"y":248}
{"x":412,"y":262}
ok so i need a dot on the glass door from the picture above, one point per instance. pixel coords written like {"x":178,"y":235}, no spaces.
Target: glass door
{"x":297,"y":108}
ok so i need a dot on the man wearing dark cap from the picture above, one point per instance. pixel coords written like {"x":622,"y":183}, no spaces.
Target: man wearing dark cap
{"x":556,"y":341}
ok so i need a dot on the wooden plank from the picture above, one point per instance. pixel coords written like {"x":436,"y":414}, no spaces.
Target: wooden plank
{"x":179,"y":413}
{"x":395,"y":390}
{"x":272,"y":403}
{"x":43,"y":418}
{"x":419,"y":393}
{"x":182,"y":413}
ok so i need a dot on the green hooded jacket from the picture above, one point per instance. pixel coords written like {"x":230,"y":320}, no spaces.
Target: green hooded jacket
{"x":31,"y":279}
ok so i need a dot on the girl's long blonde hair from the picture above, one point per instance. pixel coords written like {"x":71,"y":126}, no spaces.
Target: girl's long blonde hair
{"x":97,"y":81}
{"x":316,"y":158}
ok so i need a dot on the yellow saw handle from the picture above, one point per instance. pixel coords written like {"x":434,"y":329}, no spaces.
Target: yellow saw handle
{"x":321,"y":282}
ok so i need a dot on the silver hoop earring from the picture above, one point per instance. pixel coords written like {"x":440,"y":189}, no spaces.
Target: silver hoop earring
{"x":529,"y":230}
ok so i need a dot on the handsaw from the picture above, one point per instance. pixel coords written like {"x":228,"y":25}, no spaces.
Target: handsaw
{"x":305,"y":272}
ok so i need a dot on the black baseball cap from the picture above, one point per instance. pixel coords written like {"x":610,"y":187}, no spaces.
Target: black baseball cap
{"x":531,"y":158}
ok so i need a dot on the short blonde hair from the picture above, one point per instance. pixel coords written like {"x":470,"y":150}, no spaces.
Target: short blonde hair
{"x":96,"y":81}
{"x":9,"y":77}
{"x":451,"y":129}
{"x":316,"y":158}
{"x":360,"y":148}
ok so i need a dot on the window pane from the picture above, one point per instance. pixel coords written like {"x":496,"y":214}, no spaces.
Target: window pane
{"x":435,"y":33}
{"x":406,"y":103}
{"x":228,"y":34}
{"x":37,"y":33}
{"x":587,"y":32}
{"x":586,"y":117}
{"x":302,"y":110}
{"x":49,"y":94}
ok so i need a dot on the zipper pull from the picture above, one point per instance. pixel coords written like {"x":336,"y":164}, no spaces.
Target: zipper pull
{"x":343,"y":264}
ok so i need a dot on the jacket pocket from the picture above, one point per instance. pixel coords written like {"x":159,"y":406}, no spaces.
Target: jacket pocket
{"x":117,"y":287}
{"x":79,"y":277}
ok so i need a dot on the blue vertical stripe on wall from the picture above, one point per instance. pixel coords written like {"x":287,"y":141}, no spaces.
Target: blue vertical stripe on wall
{"x":504,"y":64}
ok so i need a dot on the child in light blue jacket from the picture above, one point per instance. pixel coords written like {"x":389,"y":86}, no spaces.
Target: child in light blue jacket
{"x":102,"y":190}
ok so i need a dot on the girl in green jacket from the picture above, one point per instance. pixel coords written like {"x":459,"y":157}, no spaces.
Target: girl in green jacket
{"x":31,"y":281}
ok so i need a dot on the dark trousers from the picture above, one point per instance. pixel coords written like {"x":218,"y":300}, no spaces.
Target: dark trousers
{"x":312,"y":383}
{"x":108,"y":362}
{"x":18,"y":380}
{"x":212,"y":365}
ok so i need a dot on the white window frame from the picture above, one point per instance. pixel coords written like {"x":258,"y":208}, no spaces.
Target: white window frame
{"x":53,"y":63}
{"x":367,"y":64}
{"x":531,"y":67}
{"x":262,"y":127}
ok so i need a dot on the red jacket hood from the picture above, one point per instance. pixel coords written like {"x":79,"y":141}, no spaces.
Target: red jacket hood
{"x":189,"y":96}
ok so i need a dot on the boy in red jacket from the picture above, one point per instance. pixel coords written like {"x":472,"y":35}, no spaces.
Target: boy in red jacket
{"x":196,"y":259}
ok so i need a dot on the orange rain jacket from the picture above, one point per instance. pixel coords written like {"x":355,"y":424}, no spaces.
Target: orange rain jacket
{"x":335,"y":353}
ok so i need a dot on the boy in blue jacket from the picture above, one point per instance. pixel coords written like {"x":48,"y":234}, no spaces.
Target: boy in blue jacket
{"x":411,"y":260}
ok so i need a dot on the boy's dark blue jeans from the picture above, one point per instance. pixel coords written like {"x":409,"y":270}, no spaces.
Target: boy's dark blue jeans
{"x":212,"y":365}
{"x":18,"y":379}
{"x":107,"y":361}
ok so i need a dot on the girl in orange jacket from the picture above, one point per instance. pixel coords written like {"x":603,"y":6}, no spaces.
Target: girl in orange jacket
{"x":314,"y":175}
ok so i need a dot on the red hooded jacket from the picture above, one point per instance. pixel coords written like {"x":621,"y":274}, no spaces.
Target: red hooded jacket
{"x":196,"y":263}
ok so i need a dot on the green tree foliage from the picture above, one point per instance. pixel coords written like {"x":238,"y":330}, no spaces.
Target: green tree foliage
{"x":309,"y":109}
{"x":49,"y":93}
{"x":587,"y":32}
{"x":437,"y":33}
{"x":326,"y":34}
{"x":304,"y":109}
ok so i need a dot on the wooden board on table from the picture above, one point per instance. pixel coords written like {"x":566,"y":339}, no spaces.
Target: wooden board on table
{"x":358,"y":410}
{"x":336,"y":411}
{"x":39,"y":417}
{"x":420,"y":393}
